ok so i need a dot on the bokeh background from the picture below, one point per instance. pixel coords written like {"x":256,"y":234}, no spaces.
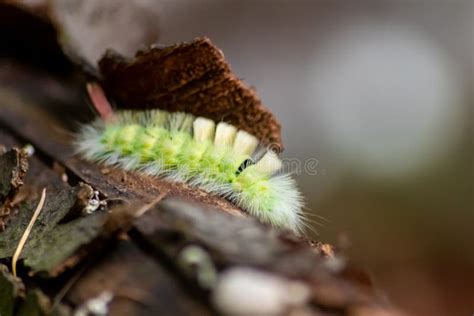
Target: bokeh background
{"x":376,"y":102}
{"x":381,"y":94}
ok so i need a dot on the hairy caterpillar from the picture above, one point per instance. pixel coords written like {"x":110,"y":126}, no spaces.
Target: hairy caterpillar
{"x":218,"y":159}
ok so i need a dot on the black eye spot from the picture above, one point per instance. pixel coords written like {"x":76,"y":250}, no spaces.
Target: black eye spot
{"x":246,"y":163}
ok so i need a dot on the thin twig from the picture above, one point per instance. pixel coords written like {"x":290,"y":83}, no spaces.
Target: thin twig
{"x":142,"y":210}
{"x":27,"y":231}
{"x":100,"y":102}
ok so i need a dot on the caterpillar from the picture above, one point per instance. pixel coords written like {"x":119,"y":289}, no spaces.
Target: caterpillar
{"x":217,"y":158}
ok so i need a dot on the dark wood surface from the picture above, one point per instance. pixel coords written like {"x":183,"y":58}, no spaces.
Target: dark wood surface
{"x":70,"y":259}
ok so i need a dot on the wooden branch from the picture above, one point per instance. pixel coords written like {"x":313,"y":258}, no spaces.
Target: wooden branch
{"x":177,"y":258}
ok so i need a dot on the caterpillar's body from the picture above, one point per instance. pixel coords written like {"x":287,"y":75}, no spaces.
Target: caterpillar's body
{"x":182,"y":148}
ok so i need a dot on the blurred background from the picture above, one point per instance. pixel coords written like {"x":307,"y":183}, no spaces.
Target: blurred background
{"x":376,"y":103}
{"x":380,"y":93}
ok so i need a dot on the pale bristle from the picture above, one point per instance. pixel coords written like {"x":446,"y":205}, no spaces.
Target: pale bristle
{"x":126,"y":117}
{"x":180,"y":121}
{"x":203,"y":129}
{"x":269,"y":163}
{"x":158,"y":117}
{"x":187,"y":125}
{"x":245,"y":143}
{"x":225,"y":134}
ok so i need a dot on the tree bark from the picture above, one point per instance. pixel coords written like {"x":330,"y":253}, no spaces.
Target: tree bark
{"x":138,"y":247}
